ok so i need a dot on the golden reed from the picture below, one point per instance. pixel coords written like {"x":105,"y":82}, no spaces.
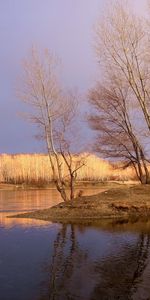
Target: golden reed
{"x":35,"y":168}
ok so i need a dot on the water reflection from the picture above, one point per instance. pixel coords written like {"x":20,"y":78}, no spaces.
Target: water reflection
{"x":75,"y":273}
{"x":119,"y":277}
{"x":9,"y":223}
{"x":17,"y":201}
{"x":66,"y":263}
{"x":12,"y":202}
{"x":61,"y":262}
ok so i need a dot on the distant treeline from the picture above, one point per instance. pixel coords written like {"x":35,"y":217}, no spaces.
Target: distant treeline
{"x":36,"y":169}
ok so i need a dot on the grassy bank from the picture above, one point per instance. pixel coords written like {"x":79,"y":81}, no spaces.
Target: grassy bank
{"x":34,"y":169}
{"x":119,"y":202}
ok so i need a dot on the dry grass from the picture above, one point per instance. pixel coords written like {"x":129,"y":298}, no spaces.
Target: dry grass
{"x":35,"y":169}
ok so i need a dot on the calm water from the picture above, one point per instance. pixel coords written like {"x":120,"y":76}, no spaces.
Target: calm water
{"x":41,"y":260}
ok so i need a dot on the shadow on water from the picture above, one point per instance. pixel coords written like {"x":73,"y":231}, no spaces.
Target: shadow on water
{"x":43,"y":261}
{"x":76,"y":273}
{"x":119,"y":279}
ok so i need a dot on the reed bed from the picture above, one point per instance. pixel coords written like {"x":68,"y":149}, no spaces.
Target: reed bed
{"x":35,"y":169}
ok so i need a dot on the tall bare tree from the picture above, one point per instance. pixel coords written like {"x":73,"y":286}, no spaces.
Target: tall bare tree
{"x":53,"y":112}
{"x":116,"y":135}
{"x":122,"y":50}
{"x":122,"y":45}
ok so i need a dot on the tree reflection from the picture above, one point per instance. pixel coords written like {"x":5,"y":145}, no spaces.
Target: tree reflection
{"x":66,"y":263}
{"x":119,"y":276}
{"x":75,"y":273}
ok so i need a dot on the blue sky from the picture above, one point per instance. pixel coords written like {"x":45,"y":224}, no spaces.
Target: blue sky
{"x":63,"y":26}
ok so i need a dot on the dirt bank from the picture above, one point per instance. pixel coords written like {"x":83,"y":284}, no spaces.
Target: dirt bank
{"x":119,"y":202}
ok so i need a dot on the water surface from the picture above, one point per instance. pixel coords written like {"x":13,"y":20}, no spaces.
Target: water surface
{"x":41,"y":260}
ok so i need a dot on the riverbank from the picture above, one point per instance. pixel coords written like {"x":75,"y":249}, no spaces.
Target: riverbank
{"x":51,"y":185}
{"x":117,"y":202}
{"x":79,"y":185}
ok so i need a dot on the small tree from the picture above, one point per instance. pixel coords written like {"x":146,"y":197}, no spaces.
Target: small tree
{"x":53,"y":112}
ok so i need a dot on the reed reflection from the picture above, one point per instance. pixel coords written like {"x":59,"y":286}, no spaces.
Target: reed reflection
{"x":14,"y":202}
{"x":17,"y":201}
{"x":9,"y":223}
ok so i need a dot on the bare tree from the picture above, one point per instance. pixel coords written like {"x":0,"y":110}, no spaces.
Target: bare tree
{"x":122,"y":50}
{"x":53,"y":112}
{"x":116,"y":135}
{"x":122,"y":45}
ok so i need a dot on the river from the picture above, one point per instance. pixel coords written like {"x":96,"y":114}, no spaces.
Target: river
{"x":45,"y":261}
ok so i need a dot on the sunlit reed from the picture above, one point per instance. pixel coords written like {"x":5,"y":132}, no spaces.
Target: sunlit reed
{"x":35,"y":169}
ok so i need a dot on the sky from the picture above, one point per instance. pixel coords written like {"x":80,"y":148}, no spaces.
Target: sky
{"x":66,"y":27}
